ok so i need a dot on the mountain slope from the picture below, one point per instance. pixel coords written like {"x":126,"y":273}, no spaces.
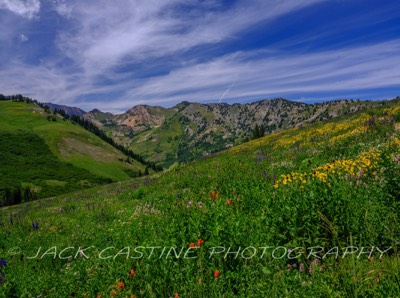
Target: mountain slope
{"x":191,"y":130}
{"x":51,"y":155}
{"x":304,"y":212}
{"x":67,"y":109}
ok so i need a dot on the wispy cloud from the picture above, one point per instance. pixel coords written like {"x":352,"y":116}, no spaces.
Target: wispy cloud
{"x":261,"y":74}
{"x":25,"y":8}
{"x":161,"y":52}
{"x":146,"y":29}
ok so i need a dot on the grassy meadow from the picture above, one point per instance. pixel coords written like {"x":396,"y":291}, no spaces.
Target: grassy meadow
{"x":305,"y":212}
{"x":53,"y":156}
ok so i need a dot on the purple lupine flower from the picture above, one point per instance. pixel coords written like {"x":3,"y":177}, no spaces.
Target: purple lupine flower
{"x":35,"y":226}
{"x":3,"y":262}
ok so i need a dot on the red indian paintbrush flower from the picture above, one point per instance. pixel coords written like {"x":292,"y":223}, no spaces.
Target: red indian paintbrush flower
{"x":132,"y":273}
{"x":216,"y":273}
{"x":120,"y":285}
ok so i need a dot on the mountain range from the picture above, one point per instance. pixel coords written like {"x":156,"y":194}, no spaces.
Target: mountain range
{"x":188,"y":131}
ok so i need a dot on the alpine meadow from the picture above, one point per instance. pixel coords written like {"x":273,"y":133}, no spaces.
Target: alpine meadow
{"x":199,"y":148}
{"x":280,"y":229}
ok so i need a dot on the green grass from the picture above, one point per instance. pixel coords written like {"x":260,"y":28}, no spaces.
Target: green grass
{"x":254,"y":195}
{"x":34,"y":150}
{"x":55,"y":182}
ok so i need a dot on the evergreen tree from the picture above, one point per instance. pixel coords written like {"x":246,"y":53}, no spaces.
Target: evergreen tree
{"x":17,"y":197}
{"x":256,"y":132}
{"x":7,"y":197}
{"x":27,"y":194}
{"x":261,"y":131}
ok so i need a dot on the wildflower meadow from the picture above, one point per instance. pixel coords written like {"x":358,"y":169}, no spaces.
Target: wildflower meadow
{"x":311,"y":211}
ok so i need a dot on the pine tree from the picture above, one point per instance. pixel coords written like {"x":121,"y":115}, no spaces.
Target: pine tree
{"x":256,"y":132}
{"x":17,"y":197}
{"x":261,"y":131}
{"x":27,"y":194}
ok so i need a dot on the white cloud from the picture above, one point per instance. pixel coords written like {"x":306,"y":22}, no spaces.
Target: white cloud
{"x":62,"y":8}
{"x":23,"y":38}
{"x":25,"y":8}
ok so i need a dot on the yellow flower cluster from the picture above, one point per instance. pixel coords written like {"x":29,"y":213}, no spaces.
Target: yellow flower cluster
{"x":292,"y":177}
{"x":325,"y":131}
{"x":356,"y":131}
{"x":365,"y":162}
{"x":395,"y":142}
{"x":393,"y":111}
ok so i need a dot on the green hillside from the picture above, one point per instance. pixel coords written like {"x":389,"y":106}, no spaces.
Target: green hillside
{"x":51,"y":155}
{"x":305,"y":212}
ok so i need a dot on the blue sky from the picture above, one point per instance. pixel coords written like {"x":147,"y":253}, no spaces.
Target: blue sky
{"x":113,"y":55}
